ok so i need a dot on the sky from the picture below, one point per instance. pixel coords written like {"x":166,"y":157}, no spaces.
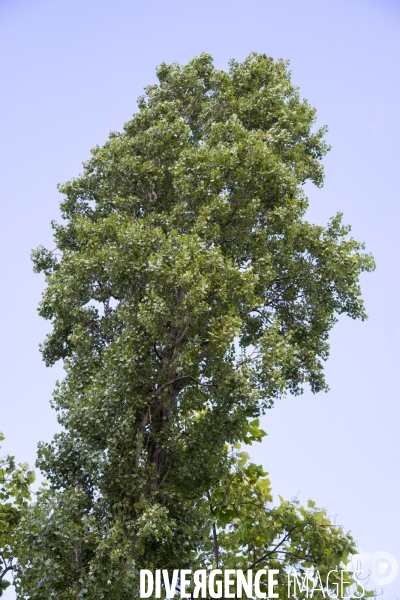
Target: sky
{"x":71,"y":71}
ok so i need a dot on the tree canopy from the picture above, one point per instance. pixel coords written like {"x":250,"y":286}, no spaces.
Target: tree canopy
{"x":186,"y":293}
{"x":15,"y":493}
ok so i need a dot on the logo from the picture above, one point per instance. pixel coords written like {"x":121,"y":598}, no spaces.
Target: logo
{"x":384,"y":568}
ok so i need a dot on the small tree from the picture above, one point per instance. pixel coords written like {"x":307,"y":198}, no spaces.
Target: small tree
{"x":15,"y":481}
{"x":187,"y":293}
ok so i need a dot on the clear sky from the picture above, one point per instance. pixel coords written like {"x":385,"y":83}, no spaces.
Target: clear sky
{"x":71,"y":71}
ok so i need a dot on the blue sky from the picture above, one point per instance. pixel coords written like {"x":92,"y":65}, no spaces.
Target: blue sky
{"x":71,"y":71}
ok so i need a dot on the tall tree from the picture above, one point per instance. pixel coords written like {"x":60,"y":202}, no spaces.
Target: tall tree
{"x":186,"y":292}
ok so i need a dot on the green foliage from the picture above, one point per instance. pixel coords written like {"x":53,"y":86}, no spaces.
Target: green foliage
{"x":186,"y":294}
{"x":15,"y":481}
{"x":251,"y":533}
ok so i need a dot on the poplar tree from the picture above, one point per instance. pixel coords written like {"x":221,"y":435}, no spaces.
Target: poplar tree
{"x":187,"y":292}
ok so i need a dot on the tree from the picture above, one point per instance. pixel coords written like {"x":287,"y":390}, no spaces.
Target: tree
{"x":186,"y":293}
{"x":15,"y":481}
